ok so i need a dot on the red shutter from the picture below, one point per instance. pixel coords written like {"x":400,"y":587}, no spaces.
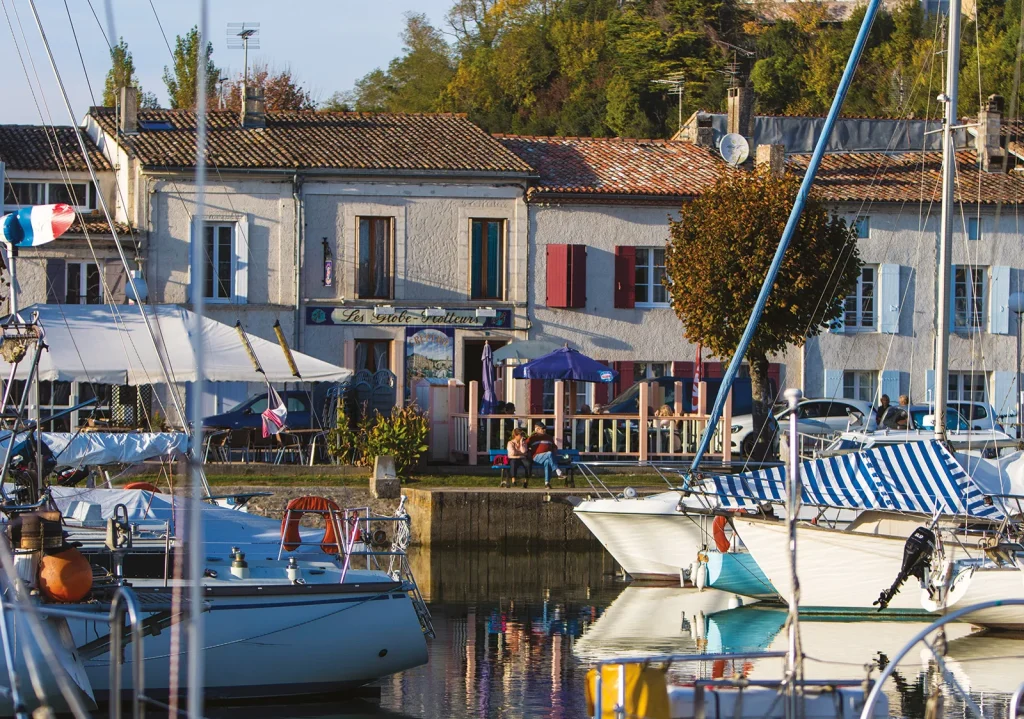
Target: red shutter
{"x":536,"y":396}
{"x":625,"y":277}
{"x":625,"y":380}
{"x":558,"y":272}
{"x":682,"y":369}
{"x":712,"y":370}
{"x":577,"y":292}
{"x":602,"y":390}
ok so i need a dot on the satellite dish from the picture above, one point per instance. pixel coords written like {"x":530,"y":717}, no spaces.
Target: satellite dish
{"x":734,"y":148}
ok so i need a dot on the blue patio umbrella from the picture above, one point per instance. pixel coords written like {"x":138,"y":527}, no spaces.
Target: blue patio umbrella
{"x":566,"y":364}
{"x":490,"y":403}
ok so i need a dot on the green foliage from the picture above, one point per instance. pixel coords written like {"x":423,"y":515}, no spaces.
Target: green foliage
{"x":121,"y":73}
{"x":719,"y":253}
{"x":181,"y":79}
{"x":401,"y":434}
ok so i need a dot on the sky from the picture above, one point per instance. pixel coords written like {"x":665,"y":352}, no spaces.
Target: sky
{"x":328,"y":44}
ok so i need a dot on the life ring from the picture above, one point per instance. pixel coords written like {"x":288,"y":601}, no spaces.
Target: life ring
{"x":290,"y":523}
{"x":143,"y":485}
{"x":718,"y":532}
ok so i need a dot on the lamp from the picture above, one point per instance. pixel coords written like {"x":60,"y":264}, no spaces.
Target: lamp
{"x":1016,"y":304}
{"x":433,"y":312}
{"x":383,"y":311}
{"x":486,"y":312}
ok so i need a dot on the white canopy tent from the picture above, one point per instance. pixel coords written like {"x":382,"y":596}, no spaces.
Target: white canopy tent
{"x":90,"y":343}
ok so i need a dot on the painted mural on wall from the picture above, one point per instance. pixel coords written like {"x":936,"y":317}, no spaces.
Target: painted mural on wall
{"x":429,"y":352}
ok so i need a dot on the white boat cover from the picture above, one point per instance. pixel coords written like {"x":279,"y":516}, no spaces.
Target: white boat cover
{"x":920,"y":477}
{"x":1001,"y":477}
{"x":90,"y":343}
{"x":93,"y":449}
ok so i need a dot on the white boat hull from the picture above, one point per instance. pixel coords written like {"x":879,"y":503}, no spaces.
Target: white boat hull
{"x":975,"y":585}
{"x":839,"y":570}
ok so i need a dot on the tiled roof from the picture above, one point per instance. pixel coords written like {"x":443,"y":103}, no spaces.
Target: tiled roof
{"x":97,"y":227}
{"x":38,"y":147}
{"x":906,"y":177}
{"x":613,"y":166}
{"x":320,"y":140}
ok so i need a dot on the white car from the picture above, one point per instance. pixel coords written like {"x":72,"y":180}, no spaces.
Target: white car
{"x":815,"y":418}
{"x":980,"y":415}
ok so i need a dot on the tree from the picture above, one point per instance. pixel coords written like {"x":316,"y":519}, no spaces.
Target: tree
{"x":717,"y":257}
{"x":181,"y":80}
{"x":121,"y":73}
{"x":280,"y":90}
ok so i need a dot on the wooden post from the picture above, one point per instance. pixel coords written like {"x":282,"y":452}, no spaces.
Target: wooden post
{"x":679,"y":399}
{"x":453,"y":403}
{"x":702,"y":399}
{"x":727,"y":429}
{"x":644,"y":397}
{"x":474,"y":416}
{"x":559,"y":411}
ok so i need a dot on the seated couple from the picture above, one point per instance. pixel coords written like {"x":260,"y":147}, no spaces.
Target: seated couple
{"x":539,"y":449}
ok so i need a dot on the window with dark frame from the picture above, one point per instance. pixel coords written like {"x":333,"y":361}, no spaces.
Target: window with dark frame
{"x":486,"y":259}
{"x":373,"y":355}
{"x":83,"y":286}
{"x":80,"y":195}
{"x":374,"y":249}
{"x":968,"y":298}
{"x":860,"y":304}
{"x":219,"y":251}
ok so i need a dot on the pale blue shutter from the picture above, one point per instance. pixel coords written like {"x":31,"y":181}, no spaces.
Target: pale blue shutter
{"x":929,"y":386}
{"x":1004,"y":393}
{"x":241,"y":250}
{"x":999,"y":301}
{"x":193,"y":253}
{"x":891,"y":384}
{"x":833,"y":383}
{"x":889,"y":299}
{"x":952,"y":299}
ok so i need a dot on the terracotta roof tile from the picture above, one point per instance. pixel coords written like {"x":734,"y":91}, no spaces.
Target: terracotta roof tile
{"x":320,"y":140}
{"x":97,"y":227}
{"x":906,"y":177}
{"x":600,"y":165}
{"x":37,"y":147}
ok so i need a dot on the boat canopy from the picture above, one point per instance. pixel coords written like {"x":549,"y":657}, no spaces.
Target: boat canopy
{"x":93,"y":343}
{"x":919,"y":477}
{"x":95,"y":449}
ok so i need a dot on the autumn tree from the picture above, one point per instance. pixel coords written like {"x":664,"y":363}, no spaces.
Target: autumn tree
{"x":181,"y":78}
{"x":717,"y":257}
{"x":122,"y":74}
{"x":281,"y":91}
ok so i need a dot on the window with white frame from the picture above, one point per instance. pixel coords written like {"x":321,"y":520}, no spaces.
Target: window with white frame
{"x":860,"y":384}
{"x":650,"y":270}
{"x":966,"y":387}
{"x":974,"y":228}
{"x":80,"y":195}
{"x":583,"y":395}
{"x":968,"y":298}
{"x":651,"y":370}
{"x":863,"y":226}
{"x":83,"y":286}
{"x":860,"y":305}
{"x":219,"y":256}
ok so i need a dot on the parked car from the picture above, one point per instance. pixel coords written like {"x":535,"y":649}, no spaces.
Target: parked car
{"x":815,"y":417}
{"x":980,"y":415}
{"x":246,"y":414}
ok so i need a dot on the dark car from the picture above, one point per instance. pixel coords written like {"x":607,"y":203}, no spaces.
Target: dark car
{"x":246,"y":414}
{"x":628,"y":402}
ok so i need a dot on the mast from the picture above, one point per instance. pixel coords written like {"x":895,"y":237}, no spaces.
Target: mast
{"x":943,"y":278}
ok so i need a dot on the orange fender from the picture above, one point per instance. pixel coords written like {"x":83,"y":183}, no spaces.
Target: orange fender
{"x":718,"y":532}
{"x":290,"y":523}
{"x":143,"y":485}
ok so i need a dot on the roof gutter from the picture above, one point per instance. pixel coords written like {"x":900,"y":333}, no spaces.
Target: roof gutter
{"x":348,"y":172}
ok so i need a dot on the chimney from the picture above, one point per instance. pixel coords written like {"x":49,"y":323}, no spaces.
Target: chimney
{"x":697,"y":131}
{"x":740,"y":108}
{"x":771,"y":158}
{"x":129,"y":121}
{"x":254,"y":109}
{"x":991,"y":155}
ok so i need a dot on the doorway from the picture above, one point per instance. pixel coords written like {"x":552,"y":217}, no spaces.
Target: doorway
{"x":473,"y":368}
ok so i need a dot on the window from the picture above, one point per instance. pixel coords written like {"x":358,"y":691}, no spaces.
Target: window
{"x":863,"y":226}
{"x":80,"y":195}
{"x":23,"y":194}
{"x":296,"y":403}
{"x":973,"y":228}
{"x":860,"y":384}
{"x":860,"y":306}
{"x":373,"y":355}
{"x":650,"y":270}
{"x":968,"y":298}
{"x":650,"y":370}
{"x":549,"y":395}
{"x":55,"y":397}
{"x":966,"y":387}
{"x":83,"y":285}
{"x":76,"y":194}
{"x":486,"y":259}
{"x":100,"y":410}
{"x":219,"y":258}
{"x":374,"y":280}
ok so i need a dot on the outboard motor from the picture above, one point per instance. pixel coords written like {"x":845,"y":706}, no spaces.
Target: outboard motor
{"x":917,"y":554}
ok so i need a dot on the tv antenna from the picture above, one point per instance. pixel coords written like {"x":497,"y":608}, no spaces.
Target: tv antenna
{"x":673,"y":84}
{"x":242,"y":36}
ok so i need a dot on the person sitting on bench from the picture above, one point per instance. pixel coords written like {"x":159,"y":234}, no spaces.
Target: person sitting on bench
{"x":542,"y":452}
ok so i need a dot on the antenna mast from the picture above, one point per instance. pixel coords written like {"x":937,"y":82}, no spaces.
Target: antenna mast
{"x":242,"y":36}
{"x":674,"y":83}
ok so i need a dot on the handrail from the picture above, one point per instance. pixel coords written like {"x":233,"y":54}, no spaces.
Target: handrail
{"x":126,"y":604}
{"x":1015,"y":702}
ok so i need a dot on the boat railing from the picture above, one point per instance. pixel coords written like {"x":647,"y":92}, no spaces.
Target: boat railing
{"x":672,"y":474}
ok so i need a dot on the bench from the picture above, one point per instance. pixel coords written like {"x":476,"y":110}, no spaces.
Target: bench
{"x":566,"y":459}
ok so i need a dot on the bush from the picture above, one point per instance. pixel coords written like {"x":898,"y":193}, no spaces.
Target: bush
{"x":401,"y":434}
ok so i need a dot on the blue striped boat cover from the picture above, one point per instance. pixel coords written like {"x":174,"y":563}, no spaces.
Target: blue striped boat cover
{"x":921,"y":477}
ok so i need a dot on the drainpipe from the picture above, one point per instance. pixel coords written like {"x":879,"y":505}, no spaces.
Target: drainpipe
{"x":299,"y":232}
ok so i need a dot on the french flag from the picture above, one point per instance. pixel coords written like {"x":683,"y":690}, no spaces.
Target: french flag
{"x":275,"y":416}
{"x":36,"y":225}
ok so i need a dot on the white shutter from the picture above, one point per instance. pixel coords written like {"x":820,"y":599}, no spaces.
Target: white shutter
{"x":193,"y":253}
{"x":833,"y":383}
{"x":241,"y":248}
{"x":891,"y":384}
{"x":929,"y":386}
{"x":889,"y":299}
{"x":1004,"y":393}
{"x":952,"y":298}
{"x":999,"y":301}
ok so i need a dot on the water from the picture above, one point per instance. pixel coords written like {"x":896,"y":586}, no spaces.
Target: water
{"x":516,"y":631}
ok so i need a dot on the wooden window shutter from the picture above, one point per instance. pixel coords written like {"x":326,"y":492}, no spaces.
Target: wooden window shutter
{"x":115,"y":278}
{"x":557,"y":276}
{"x":625,"y":277}
{"x":56,"y":282}
{"x":625,"y":381}
{"x":577,"y":295}
{"x":536,"y":397}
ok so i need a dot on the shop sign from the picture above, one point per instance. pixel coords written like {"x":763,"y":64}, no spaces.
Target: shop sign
{"x":406,"y":317}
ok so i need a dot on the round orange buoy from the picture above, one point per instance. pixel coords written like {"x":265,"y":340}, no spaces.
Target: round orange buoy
{"x":718,"y":531}
{"x":65,"y":576}
{"x":143,"y":485}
